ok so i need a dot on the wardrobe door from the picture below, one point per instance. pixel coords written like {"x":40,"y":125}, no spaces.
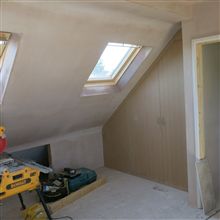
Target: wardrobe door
{"x":173,"y":116}
{"x":154,"y":161}
{"x":133,"y":136}
{"x":145,"y":139}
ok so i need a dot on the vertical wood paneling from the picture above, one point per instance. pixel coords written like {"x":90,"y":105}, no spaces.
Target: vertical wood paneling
{"x":146,"y":134}
{"x":172,"y":113}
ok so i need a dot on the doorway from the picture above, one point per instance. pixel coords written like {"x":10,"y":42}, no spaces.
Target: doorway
{"x":206,"y":66}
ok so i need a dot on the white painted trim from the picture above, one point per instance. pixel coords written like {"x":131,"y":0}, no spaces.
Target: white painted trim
{"x":50,"y":140}
{"x":195,"y":43}
{"x":195,"y":99}
{"x":207,"y":40}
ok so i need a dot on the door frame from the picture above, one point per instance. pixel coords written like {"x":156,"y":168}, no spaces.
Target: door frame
{"x":197,"y":71}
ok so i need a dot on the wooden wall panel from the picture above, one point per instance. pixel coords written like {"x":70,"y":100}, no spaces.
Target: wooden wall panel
{"x":172,"y":114}
{"x":143,"y":142}
{"x":146,"y":134}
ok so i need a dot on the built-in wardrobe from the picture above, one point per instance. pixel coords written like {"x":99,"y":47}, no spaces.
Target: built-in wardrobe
{"x":146,"y":134}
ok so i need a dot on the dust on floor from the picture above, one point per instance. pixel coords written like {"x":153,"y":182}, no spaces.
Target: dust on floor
{"x":122,"y":197}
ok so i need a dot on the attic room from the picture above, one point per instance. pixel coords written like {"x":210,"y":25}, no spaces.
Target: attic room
{"x":109,"y":109}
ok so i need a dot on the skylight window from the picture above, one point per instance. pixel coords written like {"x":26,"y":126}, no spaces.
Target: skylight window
{"x":113,"y":62}
{"x":4,"y":37}
{"x":8,"y":50}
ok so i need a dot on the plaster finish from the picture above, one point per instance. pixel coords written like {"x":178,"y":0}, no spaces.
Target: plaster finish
{"x":77,"y":149}
{"x":60,"y":44}
{"x":197,"y":27}
{"x":218,"y":202}
{"x":211,"y":77}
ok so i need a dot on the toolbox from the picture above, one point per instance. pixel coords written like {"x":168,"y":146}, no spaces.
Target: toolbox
{"x":85,"y":176}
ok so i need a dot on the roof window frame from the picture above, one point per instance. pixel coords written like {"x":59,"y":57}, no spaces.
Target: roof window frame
{"x":133,"y":67}
{"x":119,"y":71}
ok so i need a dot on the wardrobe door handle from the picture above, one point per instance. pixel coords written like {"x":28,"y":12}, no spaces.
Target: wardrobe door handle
{"x":163,"y":121}
{"x":159,"y":121}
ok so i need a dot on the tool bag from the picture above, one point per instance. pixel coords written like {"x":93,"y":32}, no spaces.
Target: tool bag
{"x":56,"y":188}
{"x":70,"y":180}
{"x":83,"y":176}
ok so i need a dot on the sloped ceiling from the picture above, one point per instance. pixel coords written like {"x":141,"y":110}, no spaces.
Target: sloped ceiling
{"x":60,"y":45}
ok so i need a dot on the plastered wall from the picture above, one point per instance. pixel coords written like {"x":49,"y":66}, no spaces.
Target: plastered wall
{"x":78,"y":149}
{"x":211,"y":77}
{"x":205,"y":22}
{"x":84,"y":150}
{"x":219,"y":145}
{"x":43,"y":94}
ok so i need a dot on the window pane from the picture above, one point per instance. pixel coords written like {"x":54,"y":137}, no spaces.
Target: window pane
{"x":2,"y":47}
{"x":112,"y":58}
{"x":4,"y":37}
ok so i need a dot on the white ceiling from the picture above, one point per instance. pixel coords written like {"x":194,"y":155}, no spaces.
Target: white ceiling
{"x":60,"y":45}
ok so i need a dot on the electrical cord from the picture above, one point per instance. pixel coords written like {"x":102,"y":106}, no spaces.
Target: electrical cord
{"x":216,"y":212}
{"x":63,"y":217}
